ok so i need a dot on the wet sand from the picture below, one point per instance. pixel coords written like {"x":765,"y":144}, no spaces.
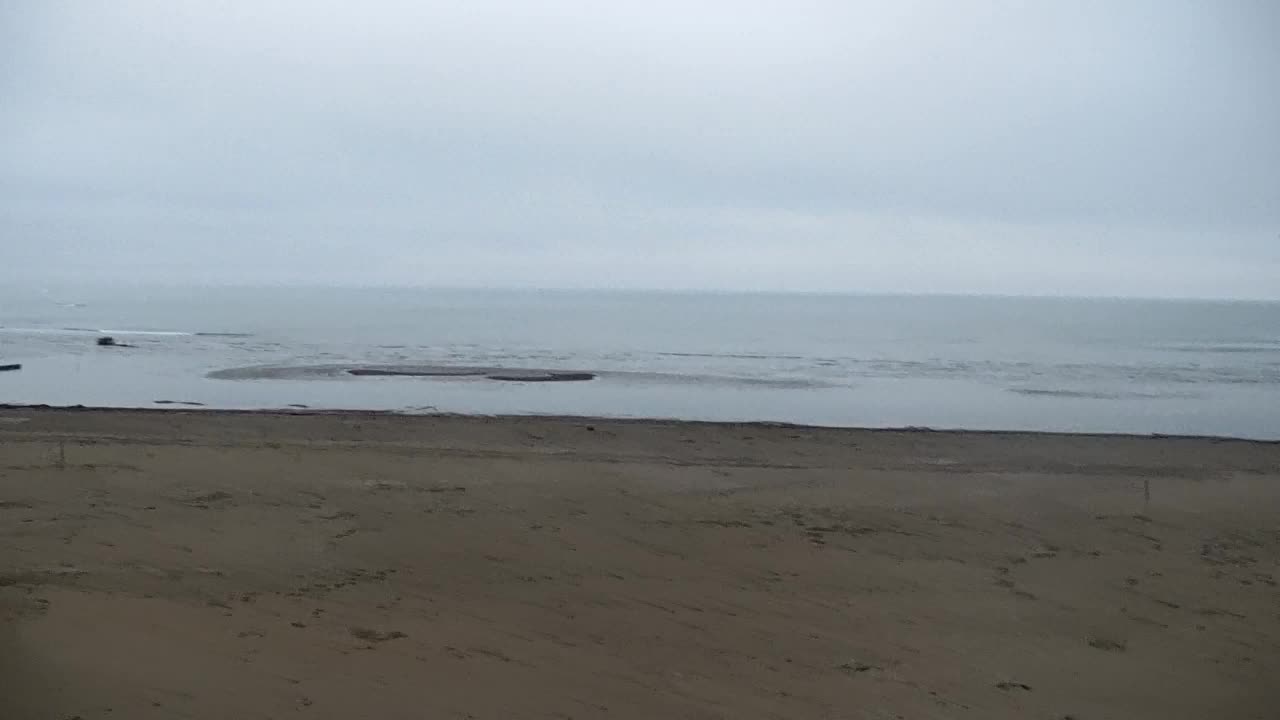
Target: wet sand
{"x":212,"y":565}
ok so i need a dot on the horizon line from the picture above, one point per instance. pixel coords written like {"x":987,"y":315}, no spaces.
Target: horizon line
{"x":45,"y":287}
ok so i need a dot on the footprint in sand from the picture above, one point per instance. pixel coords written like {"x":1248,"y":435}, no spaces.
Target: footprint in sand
{"x":373,"y":636}
{"x":205,"y":499}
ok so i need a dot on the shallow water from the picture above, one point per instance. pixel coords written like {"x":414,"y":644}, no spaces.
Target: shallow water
{"x":983,"y":363}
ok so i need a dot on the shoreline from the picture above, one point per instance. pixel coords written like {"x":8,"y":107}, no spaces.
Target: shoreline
{"x":184,"y":408}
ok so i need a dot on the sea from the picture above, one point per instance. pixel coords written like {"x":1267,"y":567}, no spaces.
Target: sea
{"x":1183,"y":367}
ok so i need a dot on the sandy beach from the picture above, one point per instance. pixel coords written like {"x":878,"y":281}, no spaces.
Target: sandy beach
{"x":174,"y":564}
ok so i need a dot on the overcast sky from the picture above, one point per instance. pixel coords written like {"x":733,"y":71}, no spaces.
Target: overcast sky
{"x":1110,"y":147}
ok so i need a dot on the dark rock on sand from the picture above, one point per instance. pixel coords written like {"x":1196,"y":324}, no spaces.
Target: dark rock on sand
{"x":108,"y":341}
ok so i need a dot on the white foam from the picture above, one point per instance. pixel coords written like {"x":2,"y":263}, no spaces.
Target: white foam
{"x":93,"y":331}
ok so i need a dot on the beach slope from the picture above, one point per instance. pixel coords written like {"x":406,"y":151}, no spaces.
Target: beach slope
{"x":215,"y":565}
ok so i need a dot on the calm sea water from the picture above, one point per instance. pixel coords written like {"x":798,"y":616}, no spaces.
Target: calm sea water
{"x":964,"y":362}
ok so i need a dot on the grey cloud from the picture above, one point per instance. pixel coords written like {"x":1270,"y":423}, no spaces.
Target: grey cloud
{"x":1113,"y":148}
